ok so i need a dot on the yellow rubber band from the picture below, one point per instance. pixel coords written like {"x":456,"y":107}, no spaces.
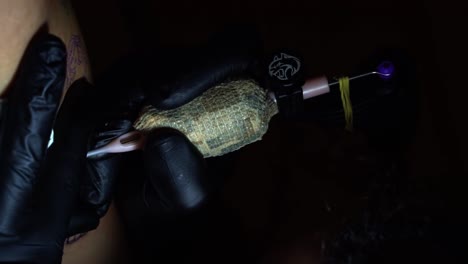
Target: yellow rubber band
{"x":346,"y":100}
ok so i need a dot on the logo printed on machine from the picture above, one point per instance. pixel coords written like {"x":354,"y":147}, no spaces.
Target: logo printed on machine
{"x":284,"y":66}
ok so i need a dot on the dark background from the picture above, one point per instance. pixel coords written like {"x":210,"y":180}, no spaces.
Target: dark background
{"x":284,"y":184}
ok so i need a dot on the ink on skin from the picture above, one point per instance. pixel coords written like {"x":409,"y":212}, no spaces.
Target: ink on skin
{"x":74,"y":59}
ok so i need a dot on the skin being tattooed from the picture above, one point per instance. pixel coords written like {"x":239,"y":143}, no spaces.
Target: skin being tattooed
{"x":75,"y":58}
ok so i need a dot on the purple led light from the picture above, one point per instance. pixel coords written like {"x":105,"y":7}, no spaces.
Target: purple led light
{"x":387,"y":68}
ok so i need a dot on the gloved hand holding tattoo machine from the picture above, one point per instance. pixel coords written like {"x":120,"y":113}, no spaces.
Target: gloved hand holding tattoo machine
{"x":234,"y":109}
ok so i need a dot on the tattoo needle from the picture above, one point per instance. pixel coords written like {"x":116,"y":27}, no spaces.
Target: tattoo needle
{"x":128,"y":142}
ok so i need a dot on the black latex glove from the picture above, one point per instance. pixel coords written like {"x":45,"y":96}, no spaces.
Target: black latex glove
{"x":40,"y":186}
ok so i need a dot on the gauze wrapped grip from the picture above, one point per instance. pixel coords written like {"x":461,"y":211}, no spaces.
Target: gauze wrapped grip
{"x":221,"y":120}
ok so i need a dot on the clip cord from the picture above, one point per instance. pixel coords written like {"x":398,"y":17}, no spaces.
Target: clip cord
{"x":346,"y":100}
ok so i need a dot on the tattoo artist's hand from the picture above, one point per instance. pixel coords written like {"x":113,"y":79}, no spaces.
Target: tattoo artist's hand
{"x":170,"y":177}
{"x":38,"y":186}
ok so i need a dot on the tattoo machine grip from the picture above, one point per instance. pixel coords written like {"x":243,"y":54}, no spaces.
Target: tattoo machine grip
{"x":221,"y":120}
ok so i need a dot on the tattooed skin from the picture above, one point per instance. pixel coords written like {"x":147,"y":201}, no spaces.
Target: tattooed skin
{"x":75,"y":58}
